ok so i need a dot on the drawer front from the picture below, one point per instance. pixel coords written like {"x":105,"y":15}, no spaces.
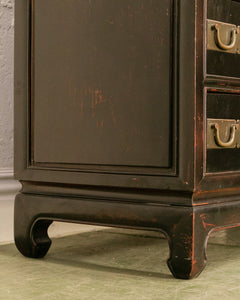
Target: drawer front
{"x":223,"y":38}
{"x":223,"y":133}
{"x":227,"y":11}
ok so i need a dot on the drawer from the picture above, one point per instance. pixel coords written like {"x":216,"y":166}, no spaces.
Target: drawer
{"x":223,"y":38}
{"x":223,"y":133}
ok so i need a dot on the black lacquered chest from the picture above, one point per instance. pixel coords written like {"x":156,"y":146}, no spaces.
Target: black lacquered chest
{"x":127,"y":114}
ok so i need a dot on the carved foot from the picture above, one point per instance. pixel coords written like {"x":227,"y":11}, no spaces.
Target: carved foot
{"x":184,"y":262}
{"x":187,"y":242}
{"x":30,"y":232}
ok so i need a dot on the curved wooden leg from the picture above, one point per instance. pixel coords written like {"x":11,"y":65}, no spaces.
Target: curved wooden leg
{"x":30,"y":232}
{"x":187,"y":227}
{"x":187,"y":242}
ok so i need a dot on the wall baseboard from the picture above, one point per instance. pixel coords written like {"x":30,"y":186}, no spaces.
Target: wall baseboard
{"x":8,"y":185}
{"x":8,"y":190}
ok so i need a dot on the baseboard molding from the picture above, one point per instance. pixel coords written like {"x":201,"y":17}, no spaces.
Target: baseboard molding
{"x":8,"y":185}
{"x":8,"y":190}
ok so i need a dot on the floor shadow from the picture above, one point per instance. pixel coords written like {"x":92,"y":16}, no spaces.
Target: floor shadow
{"x":103,"y":246}
{"x":109,"y":269}
{"x":98,"y":242}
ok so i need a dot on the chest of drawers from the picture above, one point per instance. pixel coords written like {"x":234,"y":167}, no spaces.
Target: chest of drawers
{"x":126,"y":114}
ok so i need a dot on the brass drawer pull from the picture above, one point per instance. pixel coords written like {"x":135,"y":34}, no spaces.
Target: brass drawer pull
{"x":233,"y":40}
{"x":231,"y":140}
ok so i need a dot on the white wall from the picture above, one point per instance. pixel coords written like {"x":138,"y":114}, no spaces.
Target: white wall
{"x":6,"y":83}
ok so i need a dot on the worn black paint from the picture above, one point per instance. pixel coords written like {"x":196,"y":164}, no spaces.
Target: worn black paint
{"x":223,"y":106}
{"x":223,"y":64}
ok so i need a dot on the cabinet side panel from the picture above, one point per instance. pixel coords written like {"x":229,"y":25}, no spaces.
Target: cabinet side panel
{"x":102,"y":81}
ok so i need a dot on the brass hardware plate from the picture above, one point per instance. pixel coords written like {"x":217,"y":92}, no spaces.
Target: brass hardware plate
{"x":223,"y":37}
{"x":222,"y":134}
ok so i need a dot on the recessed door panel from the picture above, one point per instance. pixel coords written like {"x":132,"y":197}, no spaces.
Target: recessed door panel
{"x":102,"y":81}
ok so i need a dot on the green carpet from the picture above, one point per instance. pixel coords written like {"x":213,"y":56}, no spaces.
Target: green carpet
{"x":115,"y":264}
